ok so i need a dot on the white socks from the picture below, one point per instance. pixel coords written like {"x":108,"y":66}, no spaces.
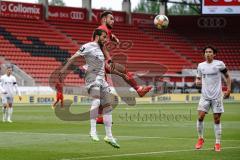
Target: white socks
{"x":93,"y":115}
{"x":200,"y":128}
{"x":107,"y":119}
{"x":9,"y":113}
{"x":4,"y":113}
{"x":218,"y":132}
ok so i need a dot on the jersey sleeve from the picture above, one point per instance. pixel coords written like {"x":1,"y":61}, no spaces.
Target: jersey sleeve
{"x":16,"y":86}
{"x":1,"y":81}
{"x":222,"y":66}
{"x":84,"y":50}
{"x":14,"y":81}
{"x":199,"y":73}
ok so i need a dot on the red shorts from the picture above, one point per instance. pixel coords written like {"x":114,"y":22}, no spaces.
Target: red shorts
{"x":59,"y":96}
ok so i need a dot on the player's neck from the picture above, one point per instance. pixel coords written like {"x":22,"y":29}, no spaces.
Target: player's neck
{"x":96,"y":41}
{"x":209,"y":61}
{"x":106,"y":26}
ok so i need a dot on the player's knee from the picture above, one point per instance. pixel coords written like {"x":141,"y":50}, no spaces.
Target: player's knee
{"x":96,"y":102}
{"x":95,"y":93}
{"x":216,"y":120}
{"x":107,"y":109}
{"x":201,"y":118}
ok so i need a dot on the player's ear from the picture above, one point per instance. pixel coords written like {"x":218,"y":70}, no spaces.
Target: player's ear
{"x":104,"y":19}
{"x":97,"y":37}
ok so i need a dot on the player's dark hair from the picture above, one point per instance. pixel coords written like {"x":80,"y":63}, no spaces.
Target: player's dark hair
{"x":98,"y":32}
{"x":105,"y":13}
{"x":9,"y":66}
{"x":211,"y":47}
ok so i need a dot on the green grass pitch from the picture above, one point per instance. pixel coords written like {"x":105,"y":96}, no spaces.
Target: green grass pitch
{"x":152,"y":132}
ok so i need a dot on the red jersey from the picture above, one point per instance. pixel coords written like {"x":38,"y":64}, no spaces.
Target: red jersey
{"x":59,"y":87}
{"x":104,"y":27}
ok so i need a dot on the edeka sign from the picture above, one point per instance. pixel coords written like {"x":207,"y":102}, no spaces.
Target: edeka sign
{"x":21,"y":10}
{"x":66,"y":14}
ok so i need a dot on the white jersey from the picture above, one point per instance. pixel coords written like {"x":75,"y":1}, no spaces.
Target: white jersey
{"x":9,"y":85}
{"x":95,"y":61}
{"x":210,"y":73}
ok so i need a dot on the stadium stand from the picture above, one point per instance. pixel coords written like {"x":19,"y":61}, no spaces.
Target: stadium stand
{"x":189,"y":38}
{"x":39,"y":47}
{"x":145,"y":48}
{"x":35,"y":47}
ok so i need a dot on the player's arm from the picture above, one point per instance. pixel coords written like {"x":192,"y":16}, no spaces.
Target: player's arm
{"x":17,"y":89}
{"x":198,"y":80}
{"x":1,"y":88}
{"x":114,"y":38}
{"x":226,"y":74}
{"x":71,"y":61}
{"x":106,"y":54}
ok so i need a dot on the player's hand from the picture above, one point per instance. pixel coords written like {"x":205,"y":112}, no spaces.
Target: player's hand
{"x":110,"y":66}
{"x":20,"y":98}
{"x":115,"y":39}
{"x":198,"y":82}
{"x":227,"y":94}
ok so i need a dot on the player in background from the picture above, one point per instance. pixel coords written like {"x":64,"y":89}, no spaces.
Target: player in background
{"x":96,"y":84}
{"x":59,"y":94}
{"x":107,"y":22}
{"x":8,"y":88}
{"x":209,"y":76}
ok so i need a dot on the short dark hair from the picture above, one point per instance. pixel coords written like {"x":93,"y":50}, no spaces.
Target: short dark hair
{"x":210,"y":46}
{"x":9,"y":66}
{"x":98,"y":32}
{"x":105,"y":13}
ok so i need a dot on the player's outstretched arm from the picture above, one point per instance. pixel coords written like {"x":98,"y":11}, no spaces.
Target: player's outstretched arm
{"x":114,"y":38}
{"x":70,"y":62}
{"x":228,"y":81}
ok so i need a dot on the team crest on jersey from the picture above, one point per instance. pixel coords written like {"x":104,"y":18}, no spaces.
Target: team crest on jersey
{"x":82,"y":49}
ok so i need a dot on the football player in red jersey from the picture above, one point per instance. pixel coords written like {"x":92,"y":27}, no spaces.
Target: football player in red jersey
{"x":59,"y":95}
{"x":107,"y":22}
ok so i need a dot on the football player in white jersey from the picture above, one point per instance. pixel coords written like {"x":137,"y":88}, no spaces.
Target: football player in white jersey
{"x":209,"y":76}
{"x":8,"y":88}
{"x":96,"y":84}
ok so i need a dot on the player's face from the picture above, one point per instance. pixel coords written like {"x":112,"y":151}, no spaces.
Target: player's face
{"x":110,"y":21}
{"x":9,"y":71}
{"x":102,"y":39}
{"x":209,"y":54}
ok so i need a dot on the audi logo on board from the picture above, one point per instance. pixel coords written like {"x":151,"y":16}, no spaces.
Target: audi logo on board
{"x":212,"y":22}
{"x":77,"y":15}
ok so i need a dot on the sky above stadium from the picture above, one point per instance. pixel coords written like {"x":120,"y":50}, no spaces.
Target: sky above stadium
{"x":97,"y":4}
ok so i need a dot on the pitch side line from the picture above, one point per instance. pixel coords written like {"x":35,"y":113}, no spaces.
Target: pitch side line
{"x":145,"y":153}
{"x":133,"y":137}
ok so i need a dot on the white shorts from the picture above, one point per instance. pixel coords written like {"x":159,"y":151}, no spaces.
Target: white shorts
{"x":100,"y":88}
{"x":7,"y":99}
{"x":215,"y":104}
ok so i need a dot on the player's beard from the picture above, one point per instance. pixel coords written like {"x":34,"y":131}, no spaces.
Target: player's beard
{"x":109,"y":26}
{"x":100,"y":43}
